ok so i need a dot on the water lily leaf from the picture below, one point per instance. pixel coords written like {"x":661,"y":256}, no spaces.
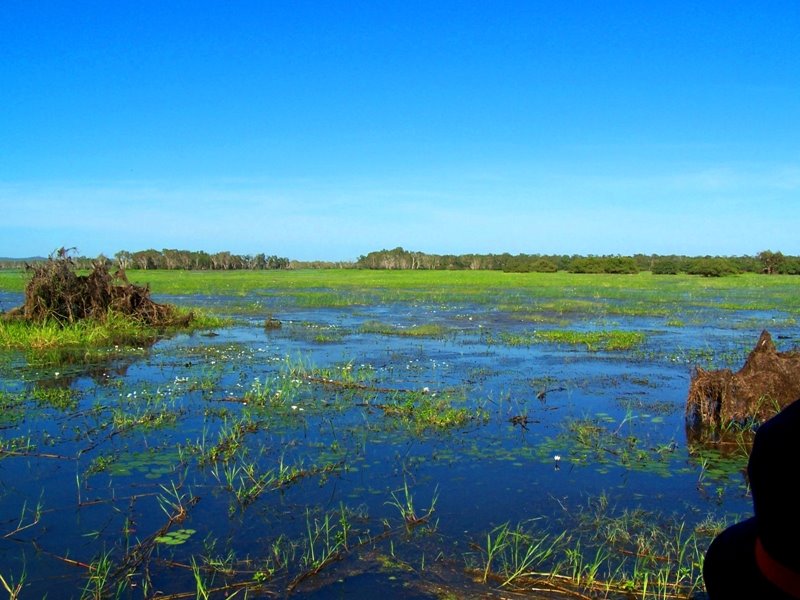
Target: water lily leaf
{"x":175,"y":538}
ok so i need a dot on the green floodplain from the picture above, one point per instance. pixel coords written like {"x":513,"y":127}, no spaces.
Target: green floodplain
{"x":408,"y":434}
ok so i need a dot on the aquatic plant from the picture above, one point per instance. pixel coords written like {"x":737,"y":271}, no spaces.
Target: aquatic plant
{"x":424,"y":410}
{"x":326,"y":541}
{"x":175,"y":538}
{"x":100,"y":580}
{"x":633,"y":553}
{"x":511,"y":553}
{"x":403,"y":501}
{"x":11,"y":409}
{"x":12,"y":586}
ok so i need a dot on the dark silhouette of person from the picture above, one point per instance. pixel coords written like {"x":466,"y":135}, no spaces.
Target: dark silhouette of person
{"x":759,"y":558}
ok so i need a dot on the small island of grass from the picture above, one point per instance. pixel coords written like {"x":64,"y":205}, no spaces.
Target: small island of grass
{"x":66,"y":309}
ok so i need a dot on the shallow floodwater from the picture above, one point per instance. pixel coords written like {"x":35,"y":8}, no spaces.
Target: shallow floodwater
{"x":340,"y":455}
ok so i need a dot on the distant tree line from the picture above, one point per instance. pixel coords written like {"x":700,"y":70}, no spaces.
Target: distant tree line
{"x":709,"y":266}
{"x":767,"y":262}
{"x":197,"y":260}
{"x":172,"y":259}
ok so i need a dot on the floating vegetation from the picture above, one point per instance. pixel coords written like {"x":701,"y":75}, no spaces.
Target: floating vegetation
{"x":175,"y":538}
{"x":424,"y":410}
{"x":20,"y":445}
{"x":11,"y":409}
{"x":151,"y":464}
{"x":603,"y":443}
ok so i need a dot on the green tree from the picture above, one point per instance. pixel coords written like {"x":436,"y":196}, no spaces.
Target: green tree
{"x":665,"y":266}
{"x":712,"y":267}
{"x":124,"y":259}
{"x":771,"y":261}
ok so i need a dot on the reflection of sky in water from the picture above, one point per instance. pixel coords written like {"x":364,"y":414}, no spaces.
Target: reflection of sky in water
{"x":9,"y":300}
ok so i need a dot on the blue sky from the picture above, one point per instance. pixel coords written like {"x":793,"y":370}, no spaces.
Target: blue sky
{"x":324,"y":130}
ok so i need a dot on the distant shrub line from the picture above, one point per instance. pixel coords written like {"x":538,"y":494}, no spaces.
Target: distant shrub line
{"x":709,"y":266}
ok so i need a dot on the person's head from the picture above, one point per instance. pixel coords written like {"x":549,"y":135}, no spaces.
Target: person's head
{"x":760,"y":557}
{"x":773,"y":471}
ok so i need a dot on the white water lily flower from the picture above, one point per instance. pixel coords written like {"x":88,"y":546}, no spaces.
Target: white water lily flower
{"x":294,"y":407}
{"x":557,"y":458}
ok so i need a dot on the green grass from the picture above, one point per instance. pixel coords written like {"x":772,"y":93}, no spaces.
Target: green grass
{"x":427,"y":330}
{"x":592,"y":340}
{"x":641,"y":294}
{"x":422,"y":411}
{"x":560,"y":293}
{"x":115,"y":330}
{"x":605,"y":553}
{"x":13,"y":280}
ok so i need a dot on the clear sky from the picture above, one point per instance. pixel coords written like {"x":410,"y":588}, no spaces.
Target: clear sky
{"x":328,"y":129}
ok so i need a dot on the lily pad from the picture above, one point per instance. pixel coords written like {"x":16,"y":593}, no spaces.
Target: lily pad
{"x":176,"y":538}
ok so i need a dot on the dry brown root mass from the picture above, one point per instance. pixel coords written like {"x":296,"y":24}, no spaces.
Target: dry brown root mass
{"x":768,"y":381}
{"x":57,"y":292}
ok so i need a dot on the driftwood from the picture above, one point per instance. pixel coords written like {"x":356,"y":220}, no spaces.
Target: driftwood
{"x":56,"y":292}
{"x":768,"y":381}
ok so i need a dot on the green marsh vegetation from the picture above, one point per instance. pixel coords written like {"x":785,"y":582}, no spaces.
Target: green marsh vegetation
{"x":642,"y":293}
{"x":88,"y":336}
{"x":404,"y":424}
{"x":633,"y":554}
{"x":427,"y":330}
{"x":591,"y":340}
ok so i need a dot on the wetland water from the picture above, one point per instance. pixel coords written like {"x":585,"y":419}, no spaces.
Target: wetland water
{"x":394,"y":449}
